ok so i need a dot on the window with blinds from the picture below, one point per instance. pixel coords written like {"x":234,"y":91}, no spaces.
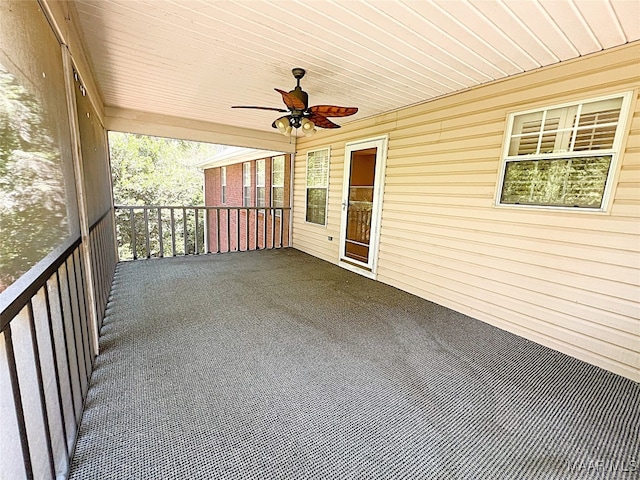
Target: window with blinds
{"x":277,"y":183}
{"x":562,"y":156}
{"x":317,"y":186}
{"x":246,"y":184}
{"x":260,"y":181}
{"x":223,"y":185}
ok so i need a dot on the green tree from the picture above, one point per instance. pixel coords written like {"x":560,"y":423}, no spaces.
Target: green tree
{"x":33,"y":212}
{"x":157,"y":171}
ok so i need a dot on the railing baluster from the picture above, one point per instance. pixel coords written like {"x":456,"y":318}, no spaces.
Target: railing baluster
{"x":184,"y":231}
{"x":133,"y":235}
{"x":281,"y":226}
{"x":17,"y":402}
{"x":217,"y":230}
{"x":81,"y":321}
{"x":273,"y":228}
{"x":43,"y":402}
{"x":196,"y":233}
{"x":173,"y":232}
{"x":75,"y":337}
{"x":83,"y":289}
{"x":264,"y":230}
{"x":205,"y":230}
{"x":228,"y":229}
{"x":255,"y":233}
{"x":96,"y":242}
{"x":56,"y":370}
{"x":63,"y":326}
{"x":161,"y":254}
{"x":246,"y":225}
{"x":145,"y":211}
{"x":237,"y":229}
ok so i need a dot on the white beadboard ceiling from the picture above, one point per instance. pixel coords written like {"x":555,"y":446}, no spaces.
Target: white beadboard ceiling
{"x":195,"y":59}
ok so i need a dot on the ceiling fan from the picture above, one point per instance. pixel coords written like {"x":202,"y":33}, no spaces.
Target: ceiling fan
{"x":299,"y":114}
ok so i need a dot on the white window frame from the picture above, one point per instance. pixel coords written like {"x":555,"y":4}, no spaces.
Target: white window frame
{"x":261,"y":169}
{"x":223,"y":185}
{"x":306,"y":190}
{"x":246,"y":184}
{"x":614,"y":151}
{"x":275,"y":185}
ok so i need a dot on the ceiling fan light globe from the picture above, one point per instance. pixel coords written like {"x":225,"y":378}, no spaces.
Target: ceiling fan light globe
{"x":310,"y":133}
{"x":307,"y":125}
{"x":282,"y":124}
{"x":287,"y":131}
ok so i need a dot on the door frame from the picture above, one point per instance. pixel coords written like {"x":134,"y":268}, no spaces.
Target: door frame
{"x":381,"y":143}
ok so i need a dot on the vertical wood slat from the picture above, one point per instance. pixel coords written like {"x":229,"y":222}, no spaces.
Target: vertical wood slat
{"x":228,"y":229}
{"x":217,"y":231}
{"x":273,"y":228}
{"x":133,"y":234}
{"x":75,"y":340}
{"x":264,"y":231}
{"x":160,"y":239}
{"x":237,"y":229}
{"x":184,"y":231}
{"x":196,"y":246}
{"x":246,"y":225}
{"x":255,"y":230}
{"x":281,"y":227}
{"x":43,"y":402}
{"x":172,"y":222}
{"x":65,"y":338}
{"x":145,"y":212}
{"x":84,"y":340}
{"x":17,"y":402}
{"x":56,"y":370}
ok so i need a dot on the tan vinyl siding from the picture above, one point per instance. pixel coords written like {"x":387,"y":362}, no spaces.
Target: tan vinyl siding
{"x":567,"y":279}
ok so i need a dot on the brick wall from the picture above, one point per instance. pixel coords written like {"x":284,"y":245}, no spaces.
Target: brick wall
{"x":238,"y":229}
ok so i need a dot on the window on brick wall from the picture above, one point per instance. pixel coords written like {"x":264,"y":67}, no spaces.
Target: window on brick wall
{"x":260,"y":183}
{"x":223,"y":184}
{"x":246,"y":184}
{"x":317,"y":186}
{"x":277,"y":183}
{"x":563,"y":156}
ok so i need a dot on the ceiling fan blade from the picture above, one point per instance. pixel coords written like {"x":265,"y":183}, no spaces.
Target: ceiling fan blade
{"x":322,"y":121}
{"x":274,"y":109}
{"x":291,"y":101}
{"x":333,"y":110}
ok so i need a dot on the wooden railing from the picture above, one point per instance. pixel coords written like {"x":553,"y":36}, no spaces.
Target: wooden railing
{"x":163,"y":230}
{"x":47,"y":353}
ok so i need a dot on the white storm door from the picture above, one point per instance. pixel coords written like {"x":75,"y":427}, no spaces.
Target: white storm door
{"x":364,"y":165}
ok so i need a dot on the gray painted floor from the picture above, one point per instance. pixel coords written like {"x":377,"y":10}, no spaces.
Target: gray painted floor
{"x":277,"y":365}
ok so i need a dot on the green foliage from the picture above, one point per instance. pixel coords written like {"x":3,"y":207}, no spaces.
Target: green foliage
{"x":33,"y":213}
{"x":156,"y":171}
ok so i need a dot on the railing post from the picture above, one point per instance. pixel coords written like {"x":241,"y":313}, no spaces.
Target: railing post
{"x":133,"y":234}
{"x":206,"y":230}
{"x":145,"y":212}
{"x":218,"y":230}
{"x":160,"y":241}
{"x":17,"y":402}
{"x":196,"y":233}
{"x":173,"y":231}
{"x":184,"y":231}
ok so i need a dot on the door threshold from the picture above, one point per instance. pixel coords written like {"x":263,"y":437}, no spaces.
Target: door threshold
{"x":359,"y":269}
